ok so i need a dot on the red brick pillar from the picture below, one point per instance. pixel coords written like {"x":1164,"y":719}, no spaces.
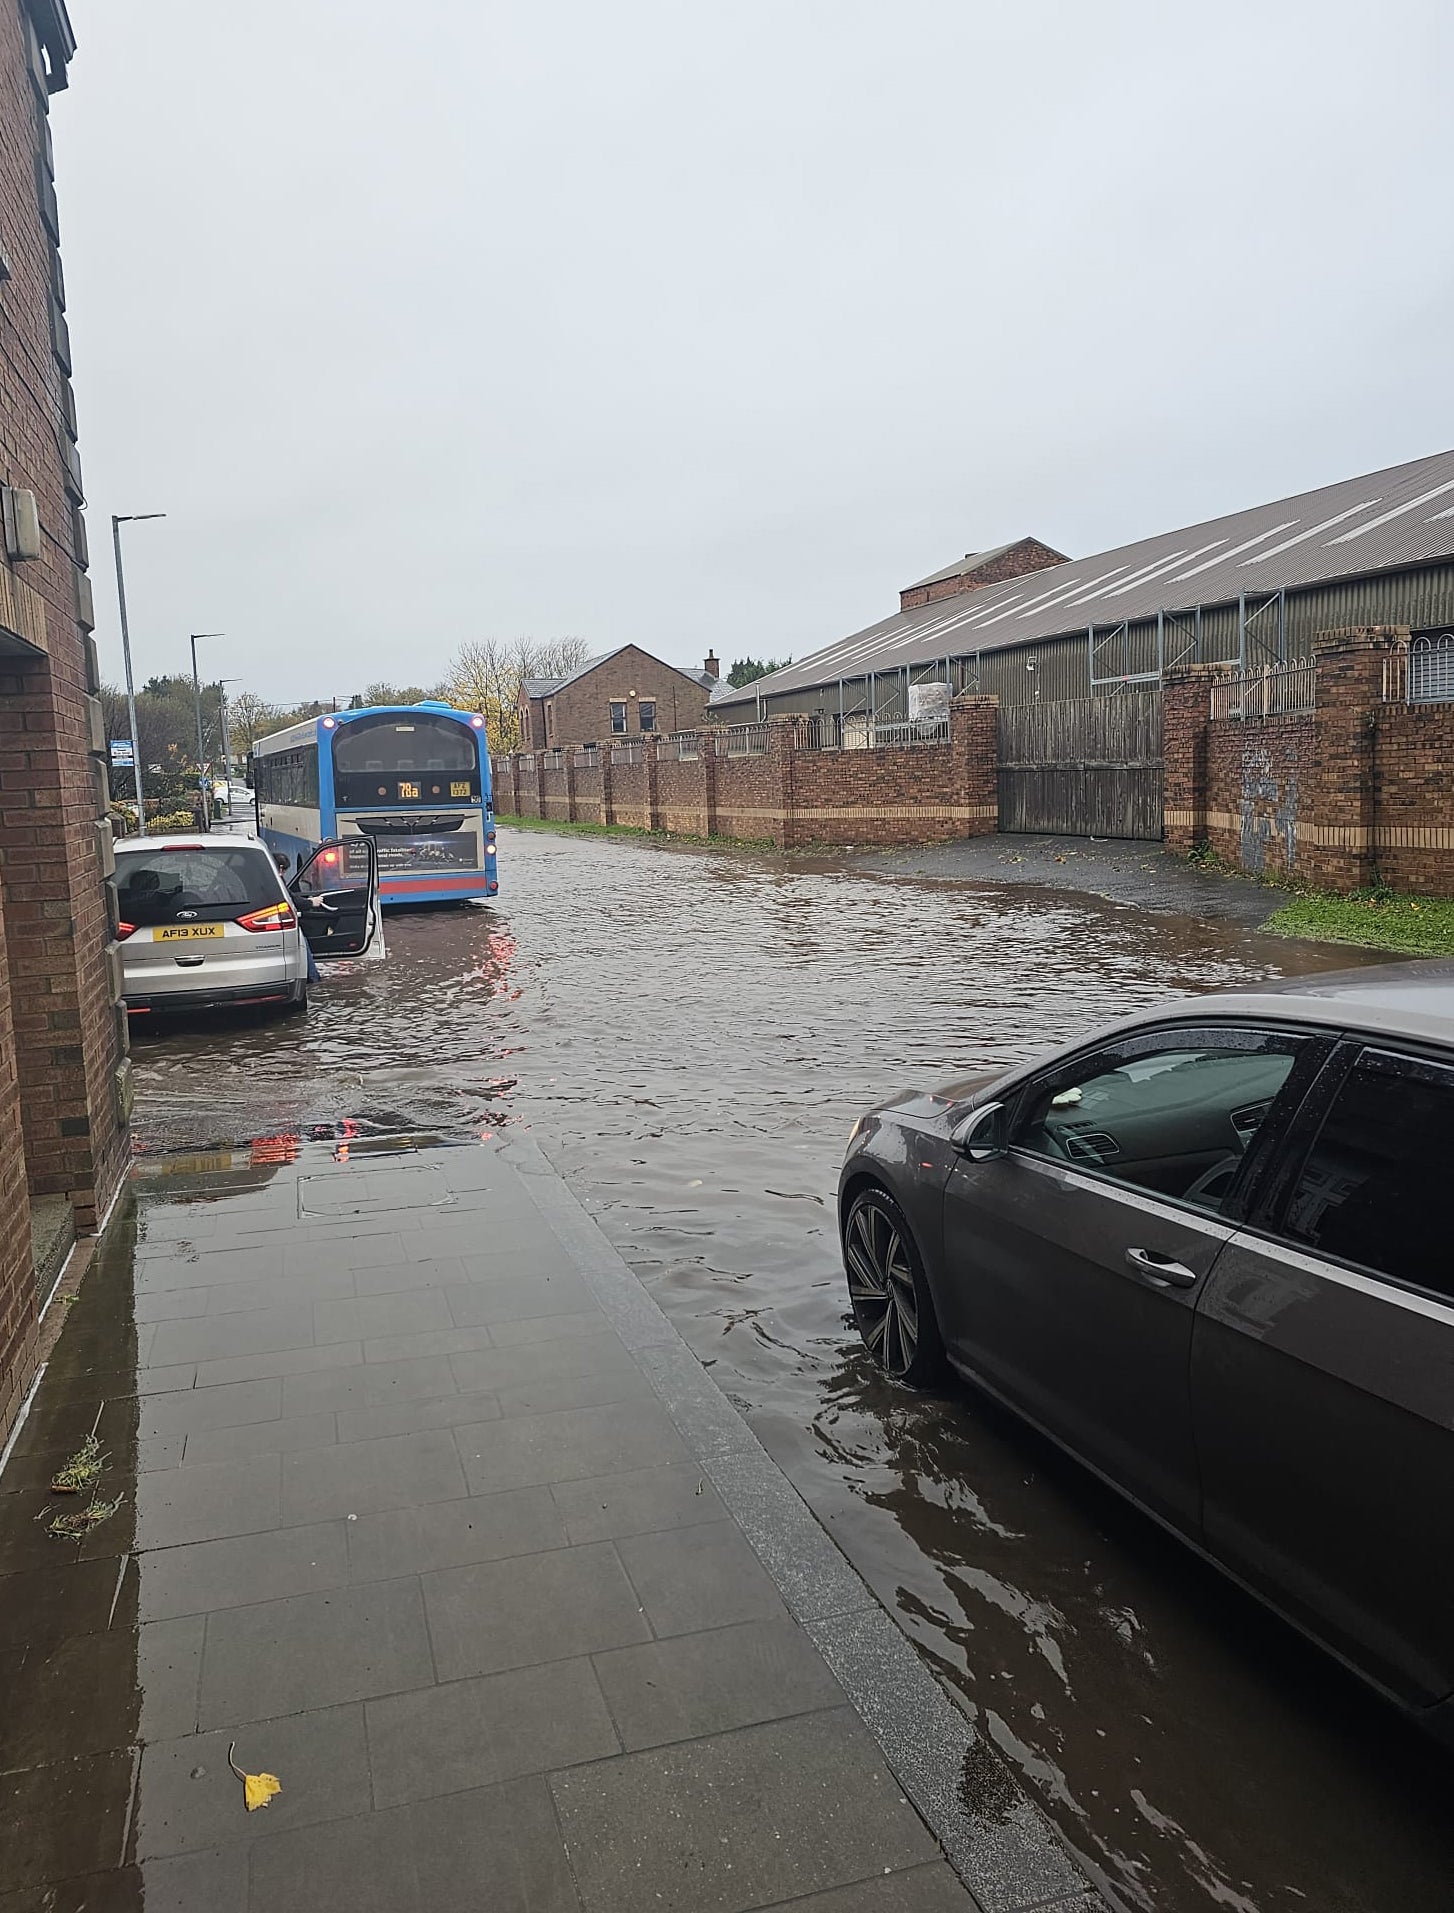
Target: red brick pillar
{"x":707,"y":774}
{"x":608,"y":799}
{"x":1186,"y":743}
{"x":785,"y":741}
{"x":652,"y":818}
{"x":539,"y":783}
{"x":975,"y":755}
{"x":1337,"y":845}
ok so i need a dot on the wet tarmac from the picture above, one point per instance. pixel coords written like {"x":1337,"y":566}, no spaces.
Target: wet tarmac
{"x":688,"y":1035}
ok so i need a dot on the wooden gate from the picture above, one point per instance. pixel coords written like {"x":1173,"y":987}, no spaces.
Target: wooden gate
{"x":1087,"y":767}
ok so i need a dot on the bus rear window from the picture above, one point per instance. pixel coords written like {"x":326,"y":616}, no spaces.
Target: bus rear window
{"x":414,"y":757}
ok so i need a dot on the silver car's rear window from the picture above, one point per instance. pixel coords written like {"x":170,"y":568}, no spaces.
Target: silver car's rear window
{"x":195,"y":883}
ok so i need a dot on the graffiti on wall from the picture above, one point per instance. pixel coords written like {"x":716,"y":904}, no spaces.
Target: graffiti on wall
{"x":1267,"y":811}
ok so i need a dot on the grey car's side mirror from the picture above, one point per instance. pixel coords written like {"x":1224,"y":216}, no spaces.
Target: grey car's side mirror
{"x":981,"y":1136}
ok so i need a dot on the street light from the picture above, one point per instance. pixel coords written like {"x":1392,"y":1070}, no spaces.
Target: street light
{"x":118,"y":519}
{"x":197,"y":637}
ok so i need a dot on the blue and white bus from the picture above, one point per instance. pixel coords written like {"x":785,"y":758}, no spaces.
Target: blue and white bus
{"x":415,"y":778}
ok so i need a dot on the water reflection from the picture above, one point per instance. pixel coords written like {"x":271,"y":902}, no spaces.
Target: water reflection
{"x":690,"y":1035}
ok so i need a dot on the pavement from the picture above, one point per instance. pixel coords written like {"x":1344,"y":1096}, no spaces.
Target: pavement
{"x":1144,"y":875}
{"x":426,"y":1510}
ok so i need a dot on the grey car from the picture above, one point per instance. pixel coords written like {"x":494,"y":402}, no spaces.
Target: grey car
{"x":1209,"y":1252}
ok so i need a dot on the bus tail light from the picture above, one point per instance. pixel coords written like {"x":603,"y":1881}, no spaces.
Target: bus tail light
{"x":277,"y":916}
{"x":125,"y":930}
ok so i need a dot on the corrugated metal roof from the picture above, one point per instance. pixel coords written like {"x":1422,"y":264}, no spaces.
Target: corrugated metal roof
{"x":1402,"y":516}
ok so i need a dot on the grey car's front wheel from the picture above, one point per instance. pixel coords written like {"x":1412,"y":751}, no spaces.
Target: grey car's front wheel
{"x":890,"y":1298}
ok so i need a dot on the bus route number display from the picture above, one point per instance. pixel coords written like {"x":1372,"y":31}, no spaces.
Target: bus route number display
{"x":407,"y":791}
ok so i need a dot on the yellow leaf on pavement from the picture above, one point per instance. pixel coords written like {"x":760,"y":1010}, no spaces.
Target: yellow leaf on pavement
{"x":258,"y":1789}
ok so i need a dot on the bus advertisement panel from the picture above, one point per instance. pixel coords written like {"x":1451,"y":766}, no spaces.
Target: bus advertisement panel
{"x":414,"y":778}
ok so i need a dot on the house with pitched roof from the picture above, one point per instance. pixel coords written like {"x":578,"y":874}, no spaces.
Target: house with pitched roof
{"x":625,"y":693}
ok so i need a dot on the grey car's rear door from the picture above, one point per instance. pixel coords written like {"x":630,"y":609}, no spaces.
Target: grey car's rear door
{"x":1074,"y":1262}
{"x":1323,"y":1380}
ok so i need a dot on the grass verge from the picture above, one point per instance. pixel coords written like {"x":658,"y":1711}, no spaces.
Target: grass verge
{"x":1377,"y":919}
{"x":577,"y":830}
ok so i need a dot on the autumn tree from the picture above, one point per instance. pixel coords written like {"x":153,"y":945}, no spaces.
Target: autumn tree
{"x":249,"y":718}
{"x":487,"y":675}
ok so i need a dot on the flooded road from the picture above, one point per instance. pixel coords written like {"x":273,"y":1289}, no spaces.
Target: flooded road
{"x":689,"y":1035}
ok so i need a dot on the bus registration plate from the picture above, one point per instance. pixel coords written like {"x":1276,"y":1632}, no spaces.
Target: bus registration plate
{"x":184,"y":932}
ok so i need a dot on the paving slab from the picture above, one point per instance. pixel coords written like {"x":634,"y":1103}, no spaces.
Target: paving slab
{"x":427,"y":1508}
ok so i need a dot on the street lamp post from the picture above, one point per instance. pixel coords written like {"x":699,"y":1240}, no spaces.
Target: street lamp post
{"x":117,"y":521}
{"x":197,"y":637}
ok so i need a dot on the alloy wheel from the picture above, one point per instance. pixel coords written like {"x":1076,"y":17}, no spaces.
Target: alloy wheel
{"x":881,"y":1288}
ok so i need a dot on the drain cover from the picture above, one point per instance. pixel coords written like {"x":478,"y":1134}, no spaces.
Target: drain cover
{"x":366,"y":1192}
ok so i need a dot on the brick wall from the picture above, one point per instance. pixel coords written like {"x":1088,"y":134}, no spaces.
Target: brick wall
{"x":581,"y":713}
{"x":779,"y":790}
{"x":684,"y":795}
{"x":17,"y":1291}
{"x":1018,"y":561}
{"x":555,"y":782}
{"x":1413,"y":769}
{"x":931,"y":793}
{"x":1356,"y":790}
{"x":588,"y":792}
{"x":65,"y":1034}
{"x":633,"y":790}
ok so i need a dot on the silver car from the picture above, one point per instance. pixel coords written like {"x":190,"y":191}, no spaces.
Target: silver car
{"x":205,"y":922}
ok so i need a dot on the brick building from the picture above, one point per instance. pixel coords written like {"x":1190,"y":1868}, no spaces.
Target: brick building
{"x":624,"y":694}
{"x":64,"y":1080}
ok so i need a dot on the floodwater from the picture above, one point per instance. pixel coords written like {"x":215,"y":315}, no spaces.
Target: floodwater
{"x":689,"y":1035}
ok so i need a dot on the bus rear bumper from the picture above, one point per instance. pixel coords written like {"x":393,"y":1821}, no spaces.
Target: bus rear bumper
{"x":441,"y":889}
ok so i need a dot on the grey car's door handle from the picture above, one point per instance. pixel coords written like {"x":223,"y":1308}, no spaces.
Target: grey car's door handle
{"x":1161,"y":1269}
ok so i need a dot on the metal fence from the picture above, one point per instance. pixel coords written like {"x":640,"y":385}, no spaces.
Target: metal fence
{"x":627,"y":752}
{"x":742,"y":740}
{"x":681,"y":747}
{"x":586,"y":757}
{"x":1281,"y":690}
{"x":1430,"y":669}
{"x":857,"y":731}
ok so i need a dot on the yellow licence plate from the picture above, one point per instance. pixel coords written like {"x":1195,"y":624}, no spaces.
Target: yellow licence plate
{"x":184,"y":932}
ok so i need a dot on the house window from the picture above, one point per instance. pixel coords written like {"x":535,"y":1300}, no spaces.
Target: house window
{"x":618,"y":719}
{"x":549,"y":722}
{"x":647,"y":711}
{"x":525,"y":714}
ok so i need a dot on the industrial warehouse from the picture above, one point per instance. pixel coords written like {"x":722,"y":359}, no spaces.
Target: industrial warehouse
{"x":1276,"y":687}
{"x":1251,"y":589}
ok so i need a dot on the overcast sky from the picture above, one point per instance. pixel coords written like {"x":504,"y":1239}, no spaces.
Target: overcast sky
{"x":714,"y":325}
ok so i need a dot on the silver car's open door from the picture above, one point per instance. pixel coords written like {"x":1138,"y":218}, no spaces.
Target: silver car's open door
{"x":337,"y":895}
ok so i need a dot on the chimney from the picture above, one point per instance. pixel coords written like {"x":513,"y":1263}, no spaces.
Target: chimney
{"x":712,"y":667}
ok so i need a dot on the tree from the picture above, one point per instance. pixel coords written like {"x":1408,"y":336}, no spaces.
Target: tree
{"x":748,"y":670}
{"x":384,"y":693}
{"x":251,"y":717}
{"x":166,"y":725}
{"x":487,"y":675}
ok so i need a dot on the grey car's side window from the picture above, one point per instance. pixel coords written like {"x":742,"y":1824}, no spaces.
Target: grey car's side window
{"x":1371,"y":1189}
{"x":1173,"y":1114}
